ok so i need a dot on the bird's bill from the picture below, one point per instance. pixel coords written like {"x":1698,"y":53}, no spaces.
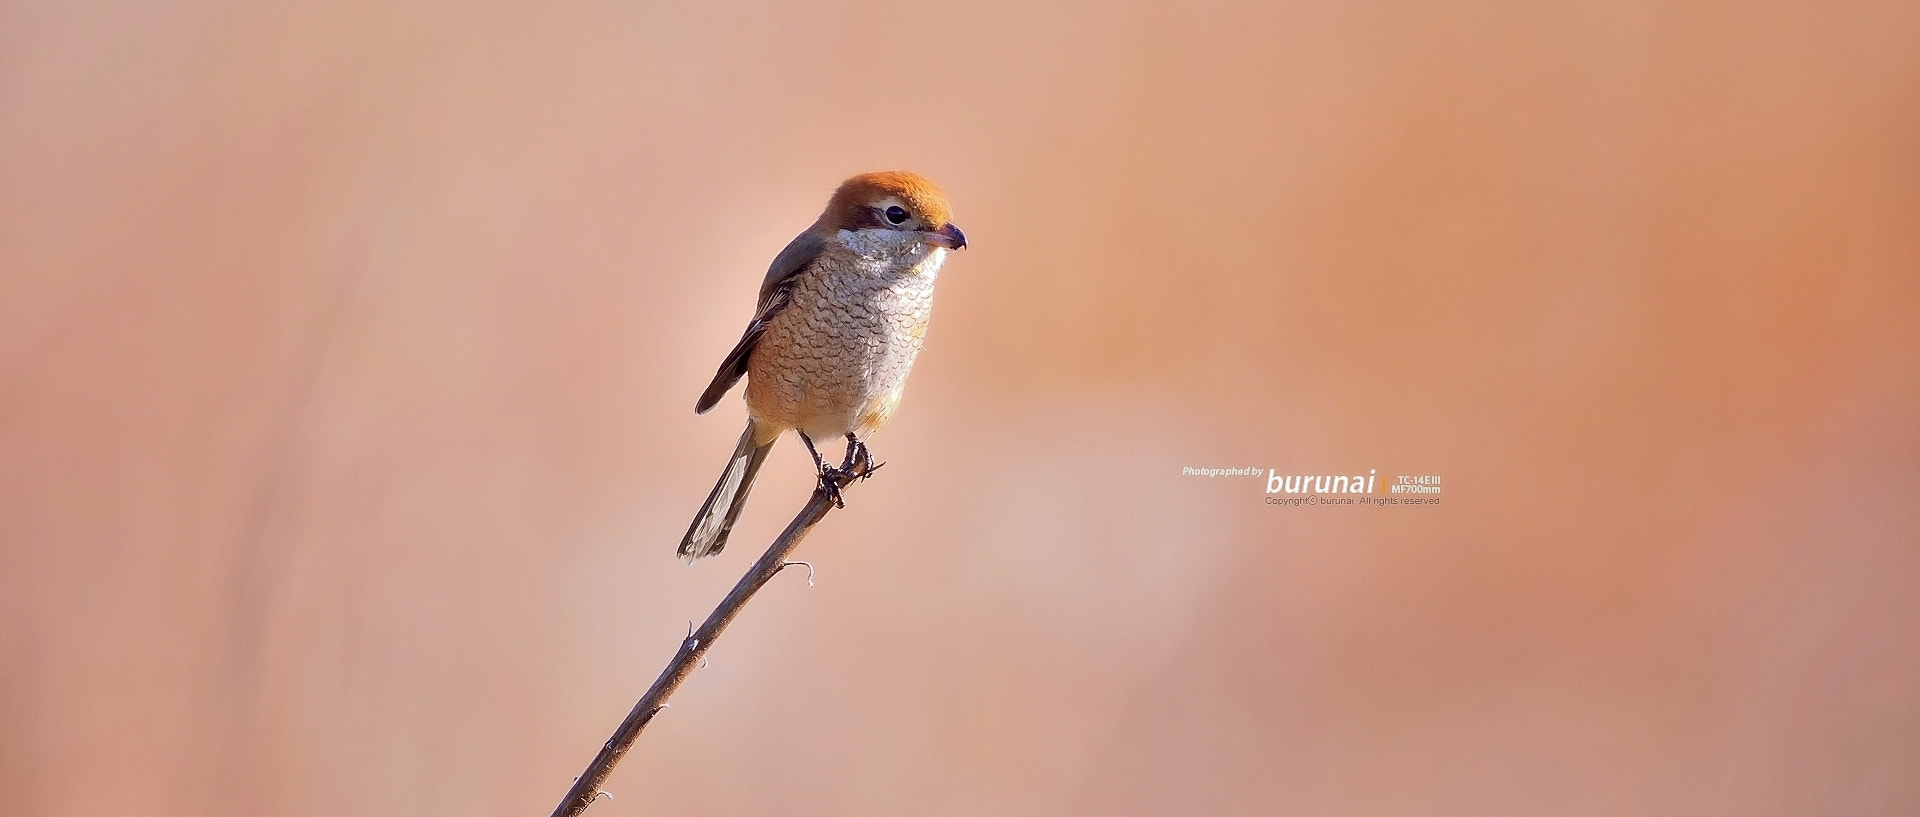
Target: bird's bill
{"x":948,"y":236}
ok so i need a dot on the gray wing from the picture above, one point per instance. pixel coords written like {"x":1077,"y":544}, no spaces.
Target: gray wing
{"x":774,"y":291}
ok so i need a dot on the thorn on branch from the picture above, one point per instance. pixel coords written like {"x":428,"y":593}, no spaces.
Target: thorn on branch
{"x":807,"y":565}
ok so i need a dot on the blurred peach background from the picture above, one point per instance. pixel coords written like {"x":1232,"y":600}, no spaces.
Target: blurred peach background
{"x":348,"y":354}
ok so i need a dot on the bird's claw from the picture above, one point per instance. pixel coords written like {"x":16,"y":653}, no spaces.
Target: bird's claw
{"x":830,"y":481}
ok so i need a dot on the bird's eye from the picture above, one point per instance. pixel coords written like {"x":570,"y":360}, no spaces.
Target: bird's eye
{"x":896,"y":215}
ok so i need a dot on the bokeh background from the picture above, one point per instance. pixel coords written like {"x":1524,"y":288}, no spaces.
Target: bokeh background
{"x":348,"y":354}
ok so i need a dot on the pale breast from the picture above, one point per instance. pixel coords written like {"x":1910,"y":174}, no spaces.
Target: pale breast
{"x":836,"y":359}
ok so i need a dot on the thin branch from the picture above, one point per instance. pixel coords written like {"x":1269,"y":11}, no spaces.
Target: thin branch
{"x":586,"y":787}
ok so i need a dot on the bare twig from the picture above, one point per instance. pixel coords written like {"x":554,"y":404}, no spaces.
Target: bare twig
{"x":586,"y":788}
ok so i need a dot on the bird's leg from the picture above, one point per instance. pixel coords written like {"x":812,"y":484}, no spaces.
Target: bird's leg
{"x":818,"y":464}
{"x":857,"y":452}
{"x":829,"y":475}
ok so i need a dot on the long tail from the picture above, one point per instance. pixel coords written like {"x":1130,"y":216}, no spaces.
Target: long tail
{"x":708,"y":533}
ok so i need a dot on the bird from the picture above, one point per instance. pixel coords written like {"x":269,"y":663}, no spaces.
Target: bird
{"x":841,"y":315}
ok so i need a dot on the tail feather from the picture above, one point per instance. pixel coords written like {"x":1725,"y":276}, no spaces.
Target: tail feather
{"x":708,"y":533}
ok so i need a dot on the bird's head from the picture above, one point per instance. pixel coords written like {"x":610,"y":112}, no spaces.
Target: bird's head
{"x":898,"y":201}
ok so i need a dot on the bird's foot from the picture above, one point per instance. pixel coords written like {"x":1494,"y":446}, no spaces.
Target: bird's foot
{"x":831,"y":478}
{"x":859,"y":461}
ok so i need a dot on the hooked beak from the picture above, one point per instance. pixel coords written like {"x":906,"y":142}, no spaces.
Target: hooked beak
{"x":948,"y":236}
